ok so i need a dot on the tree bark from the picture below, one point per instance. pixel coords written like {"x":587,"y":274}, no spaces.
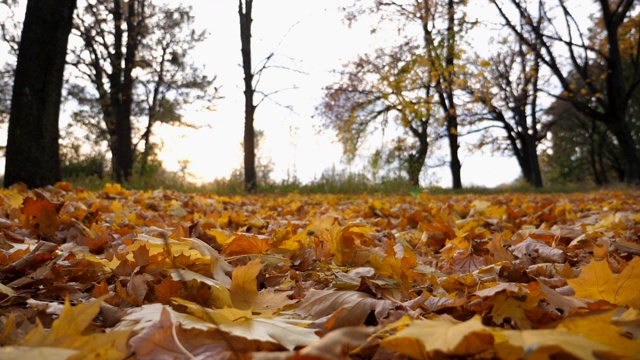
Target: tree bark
{"x":250,"y":176}
{"x":32,"y":155}
{"x":121,"y":81}
{"x":416,"y":160}
{"x":452,"y":115}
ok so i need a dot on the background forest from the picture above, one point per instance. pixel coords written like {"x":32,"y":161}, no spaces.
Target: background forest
{"x":557,"y":88}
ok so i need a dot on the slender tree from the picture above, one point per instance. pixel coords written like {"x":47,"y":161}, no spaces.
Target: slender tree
{"x":168,"y":80}
{"x":32,"y":153}
{"x":112,"y":33}
{"x":388,"y":89}
{"x":442,"y":55}
{"x":250,"y":176}
{"x":505,"y":86}
{"x":137,"y":62}
{"x":442,"y":25}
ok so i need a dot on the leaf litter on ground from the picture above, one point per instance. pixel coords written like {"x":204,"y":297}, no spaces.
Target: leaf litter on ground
{"x":126,"y":274}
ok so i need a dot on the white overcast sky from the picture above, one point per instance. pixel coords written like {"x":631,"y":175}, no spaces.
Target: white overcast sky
{"x":310,"y":37}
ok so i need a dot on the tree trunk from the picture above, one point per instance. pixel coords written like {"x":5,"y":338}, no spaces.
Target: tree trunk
{"x":121,"y":83}
{"x":618,"y":98}
{"x":250,"y":180}
{"x":455,"y":165}
{"x":534,"y":165}
{"x":416,"y":160}
{"x":451,"y":115}
{"x":32,"y":154}
{"x":622,"y":132}
{"x":445,"y":83}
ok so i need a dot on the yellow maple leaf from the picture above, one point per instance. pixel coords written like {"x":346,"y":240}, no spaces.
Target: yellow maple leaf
{"x":286,"y":332}
{"x":597,"y":281}
{"x":423,"y":337}
{"x":114,"y":190}
{"x":599,"y":328}
{"x":220,"y":295}
{"x":508,"y":308}
{"x":214,"y":316}
{"x":346,"y":243}
{"x":67,"y":332}
{"x":244,"y":288}
{"x":540,"y":344}
{"x":44,"y":352}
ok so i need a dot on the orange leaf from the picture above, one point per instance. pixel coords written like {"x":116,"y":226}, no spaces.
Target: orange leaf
{"x":167,"y":289}
{"x":243,"y":244}
{"x":42,"y":215}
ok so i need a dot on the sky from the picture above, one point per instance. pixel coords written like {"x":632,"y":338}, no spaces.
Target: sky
{"x":310,"y":41}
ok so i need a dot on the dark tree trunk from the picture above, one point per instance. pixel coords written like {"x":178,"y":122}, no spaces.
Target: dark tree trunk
{"x":617,"y":93}
{"x":531,"y":132}
{"x":32,"y":155}
{"x":593,"y":155}
{"x":250,"y":180}
{"x":416,"y":160}
{"x":445,"y":82}
{"x":455,"y":165}
{"x":535,"y":179}
{"x":516,"y":149}
{"x":121,"y":80}
{"x":452,"y":115}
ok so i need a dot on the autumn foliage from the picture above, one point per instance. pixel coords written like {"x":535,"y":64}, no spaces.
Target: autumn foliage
{"x":118,"y":273}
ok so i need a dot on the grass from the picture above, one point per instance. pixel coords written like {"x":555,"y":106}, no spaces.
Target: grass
{"x":341,"y":183}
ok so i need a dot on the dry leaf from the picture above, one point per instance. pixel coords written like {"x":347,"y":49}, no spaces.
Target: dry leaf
{"x":597,"y":281}
{"x":419,"y":339}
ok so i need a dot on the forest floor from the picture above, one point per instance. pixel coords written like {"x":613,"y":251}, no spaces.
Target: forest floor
{"x":131,"y":274}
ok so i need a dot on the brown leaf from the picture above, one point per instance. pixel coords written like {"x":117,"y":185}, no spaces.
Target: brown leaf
{"x":42,"y":215}
{"x":337,"y":344}
{"x":166,"y":339}
{"x":356,"y":306}
{"x":538,"y":251}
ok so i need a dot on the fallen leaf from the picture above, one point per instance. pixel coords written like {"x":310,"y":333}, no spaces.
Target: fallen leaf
{"x":40,"y":353}
{"x":67,"y":332}
{"x":597,"y":281}
{"x":337,"y":344}
{"x":538,"y":251}
{"x":275,"y":330}
{"x":166,"y":339}
{"x":545,"y":343}
{"x":244,"y":244}
{"x":599,"y":328}
{"x":244,"y":289}
{"x":357,"y":305}
{"x":420,"y":339}
{"x":42,"y":215}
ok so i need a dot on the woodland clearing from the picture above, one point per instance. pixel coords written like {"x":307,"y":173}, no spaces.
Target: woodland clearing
{"x":129,"y":274}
